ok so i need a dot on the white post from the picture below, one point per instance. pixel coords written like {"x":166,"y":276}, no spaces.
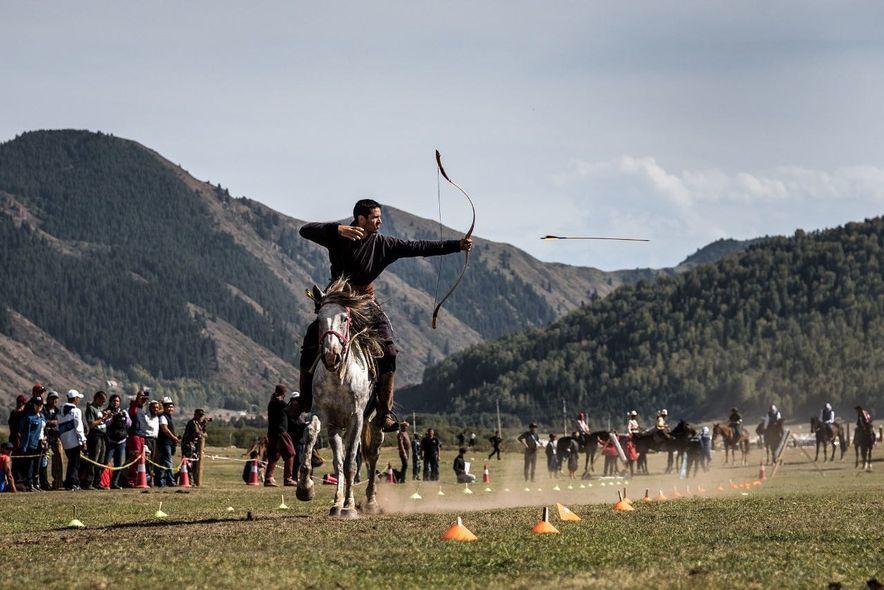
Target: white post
{"x":497,"y":404}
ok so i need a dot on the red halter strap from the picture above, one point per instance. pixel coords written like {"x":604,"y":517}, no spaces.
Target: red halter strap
{"x":343,"y":337}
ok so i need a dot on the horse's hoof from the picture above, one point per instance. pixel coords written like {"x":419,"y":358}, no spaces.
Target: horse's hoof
{"x":371,"y":508}
{"x":335,"y":511}
{"x":305,"y":494}
{"x":349,"y":513}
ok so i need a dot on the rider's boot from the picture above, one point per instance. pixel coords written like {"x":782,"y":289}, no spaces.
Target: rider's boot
{"x":384,"y":417}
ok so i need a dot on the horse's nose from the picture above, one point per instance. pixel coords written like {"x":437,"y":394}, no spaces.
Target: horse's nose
{"x":332,"y":358}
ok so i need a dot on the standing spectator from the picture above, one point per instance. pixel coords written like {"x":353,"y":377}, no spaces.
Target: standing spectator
{"x":552,"y":459}
{"x":610,"y":453}
{"x":135,"y":442}
{"x":55,"y":458}
{"x":415,"y":459}
{"x":96,"y":438}
{"x":530,"y":441}
{"x":705,"y":448}
{"x":403,"y":442}
{"x":7,"y":479}
{"x":166,"y":443}
{"x":460,"y":468}
{"x":30,"y":430}
{"x":118,"y":425}
{"x":495,"y":441}
{"x":15,"y":416}
{"x":73,"y":439}
{"x":430,"y":447}
{"x":279,"y":443}
{"x":573,"y":455}
{"x":148,"y":425}
{"x":461,"y":438}
{"x":472,"y":441}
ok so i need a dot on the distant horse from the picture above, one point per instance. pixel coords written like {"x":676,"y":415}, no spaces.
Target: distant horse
{"x":672,"y":443}
{"x":589,"y":445}
{"x":773,"y":436}
{"x":824,"y":437}
{"x":863,"y":441}
{"x":342,"y":391}
{"x":732,"y":440}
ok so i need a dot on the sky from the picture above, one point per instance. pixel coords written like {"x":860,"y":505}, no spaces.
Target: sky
{"x":681,"y":122}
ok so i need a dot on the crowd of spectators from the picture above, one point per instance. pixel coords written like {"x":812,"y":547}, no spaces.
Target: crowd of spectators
{"x":98,"y":446}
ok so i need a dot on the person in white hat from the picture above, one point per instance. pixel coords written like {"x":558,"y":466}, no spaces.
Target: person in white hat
{"x":73,"y":438}
{"x":632,"y":426}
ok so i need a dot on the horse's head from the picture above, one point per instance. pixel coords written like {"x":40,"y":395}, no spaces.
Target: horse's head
{"x":716,"y":432}
{"x":814,"y":424}
{"x":334,"y":338}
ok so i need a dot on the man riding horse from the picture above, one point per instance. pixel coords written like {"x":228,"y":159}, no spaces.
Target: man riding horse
{"x":827,"y":419}
{"x":359,"y":253}
{"x":736,"y":423}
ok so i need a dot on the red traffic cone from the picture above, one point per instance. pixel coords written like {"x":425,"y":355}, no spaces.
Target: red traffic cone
{"x":390,"y":477}
{"x":486,"y":477}
{"x":184,"y":474}
{"x":329,"y":480}
{"x":140,"y":474}
{"x":254,"y":480}
{"x":762,"y":474}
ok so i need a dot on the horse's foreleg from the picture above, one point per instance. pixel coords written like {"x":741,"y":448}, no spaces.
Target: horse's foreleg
{"x":351,"y":447}
{"x":337,"y":448}
{"x":305,"y":490}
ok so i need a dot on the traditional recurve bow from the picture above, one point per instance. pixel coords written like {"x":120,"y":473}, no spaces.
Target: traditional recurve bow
{"x":466,"y":236}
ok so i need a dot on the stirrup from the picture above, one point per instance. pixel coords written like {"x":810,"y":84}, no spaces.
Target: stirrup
{"x":382,"y":419}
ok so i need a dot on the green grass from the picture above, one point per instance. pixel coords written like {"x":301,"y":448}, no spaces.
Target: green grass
{"x":801,"y":530}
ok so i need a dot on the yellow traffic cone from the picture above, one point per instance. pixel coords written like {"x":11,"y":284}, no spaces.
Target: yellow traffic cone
{"x":159,"y":513}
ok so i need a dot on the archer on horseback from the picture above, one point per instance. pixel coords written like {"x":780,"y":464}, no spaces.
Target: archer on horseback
{"x":359,"y":253}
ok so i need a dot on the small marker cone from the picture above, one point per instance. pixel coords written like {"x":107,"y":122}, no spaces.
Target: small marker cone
{"x":440,"y":492}
{"x":676,"y":493}
{"x":582,"y":487}
{"x":565,"y":514}
{"x":415,"y":496}
{"x":757,"y":482}
{"x":556,"y":488}
{"x":506,"y":489}
{"x":75,"y":522}
{"x":159,"y":513}
{"x":589,"y":485}
{"x":487,"y":490}
{"x":283,"y":505}
{"x":539,"y":489}
{"x":230,"y":509}
{"x":527,"y":489}
{"x":467,"y":490}
{"x":701,"y":490}
{"x":544,"y":527}
{"x":602,"y":484}
{"x":762,"y":474}
{"x":570,"y":486}
{"x":458,"y":532}
{"x":621,"y":505}
{"x":720,"y":488}
{"x":661,"y":497}
{"x":733,"y":485}
{"x":744,"y":493}
{"x":688,"y":491}
{"x":647,"y":497}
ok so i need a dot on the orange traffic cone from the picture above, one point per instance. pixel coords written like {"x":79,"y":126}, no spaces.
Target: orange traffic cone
{"x":458,"y":532}
{"x":647,"y":497}
{"x":486,"y":477}
{"x":390,"y":477}
{"x":675,"y":493}
{"x":140,"y":474}
{"x":622,"y":505}
{"x":733,"y":485}
{"x":701,"y":490}
{"x":184,"y":474}
{"x":762,"y":474}
{"x":661,"y":497}
{"x":720,"y":488}
{"x":253,"y":474}
{"x":543,"y":527}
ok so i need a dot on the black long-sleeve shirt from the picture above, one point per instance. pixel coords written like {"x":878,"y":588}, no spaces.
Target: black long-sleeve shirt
{"x":362,"y":261}
{"x":277,"y":419}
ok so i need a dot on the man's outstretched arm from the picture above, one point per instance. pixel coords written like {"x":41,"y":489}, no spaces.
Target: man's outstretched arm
{"x":411,"y":248}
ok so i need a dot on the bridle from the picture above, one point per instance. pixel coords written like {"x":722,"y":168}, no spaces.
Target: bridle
{"x":343,"y":336}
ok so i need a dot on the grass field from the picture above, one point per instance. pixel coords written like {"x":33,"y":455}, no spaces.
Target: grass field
{"x":800,"y":530}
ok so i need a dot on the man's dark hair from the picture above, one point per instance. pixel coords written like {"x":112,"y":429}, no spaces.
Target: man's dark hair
{"x":462,"y":451}
{"x":279,"y":390}
{"x":364,"y":207}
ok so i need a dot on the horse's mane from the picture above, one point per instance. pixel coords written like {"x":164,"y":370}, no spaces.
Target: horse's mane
{"x":364,"y":315}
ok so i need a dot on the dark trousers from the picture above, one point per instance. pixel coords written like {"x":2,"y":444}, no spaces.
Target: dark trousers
{"x":72,"y":477}
{"x":116,"y":452}
{"x":96,"y":448}
{"x":31,"y":468}
{"x":495,"y":451}
{"x":280,"y":445}
{"x":162,"y":476}
{"x":530,"y":464}
{"x":404,"y":471}
{"x":415,"y":467}
{"x":431,"y":468}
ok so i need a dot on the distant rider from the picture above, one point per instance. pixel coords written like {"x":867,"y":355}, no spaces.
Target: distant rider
{"x":736,"y":423}
{"x":827,"y":419}
{"x":632,"y":426}
{"x":773,"y":416}
{"x":359,"y":253}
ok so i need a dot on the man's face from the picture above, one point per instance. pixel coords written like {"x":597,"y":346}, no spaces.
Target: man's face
{"x":372,"y":222}
{"x":154,"y":409}
{"x":169,"y":409}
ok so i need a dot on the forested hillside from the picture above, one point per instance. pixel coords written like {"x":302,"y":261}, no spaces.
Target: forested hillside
{"x":796,"y":321}
{"x":124,"y":265}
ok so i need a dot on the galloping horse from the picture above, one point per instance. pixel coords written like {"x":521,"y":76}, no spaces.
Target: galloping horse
{"x":773,"y":436}
{"x":732,"y":441}
{"x":863,"y":441}
{"x":342,"y":391}
{"x":824,"y":437}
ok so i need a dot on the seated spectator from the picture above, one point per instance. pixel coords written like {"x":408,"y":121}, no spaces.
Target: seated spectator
{"x":460,"y":468}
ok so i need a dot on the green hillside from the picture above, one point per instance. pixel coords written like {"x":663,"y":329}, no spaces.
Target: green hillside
{"x":796,"y":321}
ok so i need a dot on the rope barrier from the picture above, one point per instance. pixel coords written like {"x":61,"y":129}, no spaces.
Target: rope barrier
{"x":121,"y":467}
